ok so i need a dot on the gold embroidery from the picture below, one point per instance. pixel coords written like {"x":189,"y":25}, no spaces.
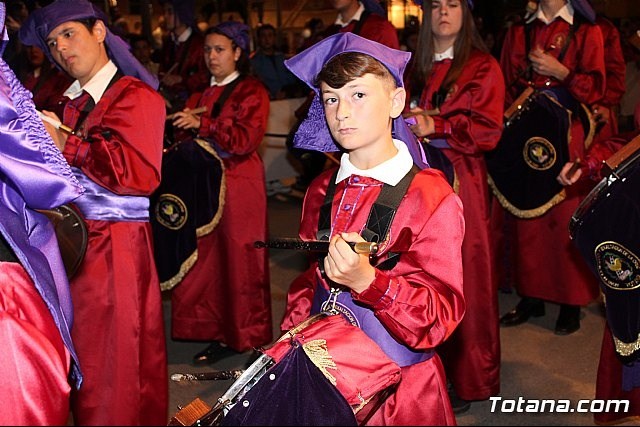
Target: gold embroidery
{"x":627,"y":349}
{"x":207,"y":228}
{"x":184,"y":269}
{"x":318,"y":353}
{"x":529,"y":213}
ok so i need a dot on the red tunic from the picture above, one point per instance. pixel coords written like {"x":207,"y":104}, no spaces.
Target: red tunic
{"x":34,"y":388}
{"x":375,"y":27}
{"x":226,"y":296}
{"x":427,"y":283}
{"x":549,"y":265}
{"x":470,"y":121}
{"x":118,"y":329}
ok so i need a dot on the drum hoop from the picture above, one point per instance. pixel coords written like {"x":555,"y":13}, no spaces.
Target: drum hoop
{"x":586,"y":205}
{"x":71,"y":257}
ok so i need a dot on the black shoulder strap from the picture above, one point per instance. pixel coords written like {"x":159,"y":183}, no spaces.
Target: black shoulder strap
{"x":91,"y":104}
{"x":527,"y":41}
{"x":226,"y":92}
{"x":381,"y":214}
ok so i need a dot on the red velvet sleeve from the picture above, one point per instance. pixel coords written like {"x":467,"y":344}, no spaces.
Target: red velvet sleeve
{"x":123,"y":150}
{"x":240,"y":127}
{"x":587,"y":79}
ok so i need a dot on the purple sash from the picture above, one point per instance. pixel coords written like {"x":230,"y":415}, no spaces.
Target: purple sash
{"x":98,"y":203}
{"x":364,"y":318}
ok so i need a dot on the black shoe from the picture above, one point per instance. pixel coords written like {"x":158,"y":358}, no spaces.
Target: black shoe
{"x":458,"y":404}
{"x":527,"y":307}
{"x":568,"y":320}
{"x":214,"y":352}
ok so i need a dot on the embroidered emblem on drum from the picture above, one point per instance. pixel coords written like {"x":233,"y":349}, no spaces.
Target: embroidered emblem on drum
{"x":171,"y":211}
{"x":539,"y":153}
{"x":617,"y":266}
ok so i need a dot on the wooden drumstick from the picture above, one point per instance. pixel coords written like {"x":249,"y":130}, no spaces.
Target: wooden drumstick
{"x":208,"y":376}
{"x":574,"y":168}
{"x":195,"y":111}
{"x":55,"y":123}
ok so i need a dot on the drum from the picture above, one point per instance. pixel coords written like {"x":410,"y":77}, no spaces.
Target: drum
{"x":523,"y":167}
{"x":188,"y":204}
{"x":325,"y":371}
{"x":606,"y":229}
{"x":71,"y":233}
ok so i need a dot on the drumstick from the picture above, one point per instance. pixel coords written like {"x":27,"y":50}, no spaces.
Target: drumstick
{"x":208,"y":376}
{"x":57,"y":124}
{"x":574,"y":168}
{"x":195,"y":111}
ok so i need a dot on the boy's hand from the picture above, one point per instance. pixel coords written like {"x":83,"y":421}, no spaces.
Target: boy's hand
{"x":342,"y":265}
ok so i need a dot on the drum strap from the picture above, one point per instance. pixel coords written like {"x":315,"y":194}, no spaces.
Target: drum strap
{"x":380,"y":216}
{"x":226,"y":92}
{"x":527,"y":43}
{"x":90,"y":104}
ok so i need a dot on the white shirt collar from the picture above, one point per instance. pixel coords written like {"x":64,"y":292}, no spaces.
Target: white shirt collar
{"x":184,"y":36}
{"x":390,"y":172}
{"x":355,"y":17}
{"x":231,"y":77}
{"x":566,"y":12}
{"x":96,"y":86}
{"x":447,"y":54}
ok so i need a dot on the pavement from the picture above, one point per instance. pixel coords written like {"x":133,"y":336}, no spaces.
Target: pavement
{"x":536,"y":364}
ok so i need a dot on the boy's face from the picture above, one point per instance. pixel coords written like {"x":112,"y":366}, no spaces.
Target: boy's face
{"x":79,"y":51}
{"x":359,"y":113}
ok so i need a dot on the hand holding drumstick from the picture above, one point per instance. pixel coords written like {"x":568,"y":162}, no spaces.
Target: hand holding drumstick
{"x":570,"y":173}
{"x":187,"y":119}
{"x":420,"y":121}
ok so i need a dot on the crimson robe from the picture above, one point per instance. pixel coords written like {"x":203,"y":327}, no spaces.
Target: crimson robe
{"x":226,"y":296}
{"x":37,"y":363}
{"x":119,"y":328}
{"x":470,"y":121}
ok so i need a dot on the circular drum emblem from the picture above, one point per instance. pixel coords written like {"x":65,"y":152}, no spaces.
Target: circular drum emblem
{"x":617,"y":266}
{"x":171,"y":211}
{"x":539,"y":153}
